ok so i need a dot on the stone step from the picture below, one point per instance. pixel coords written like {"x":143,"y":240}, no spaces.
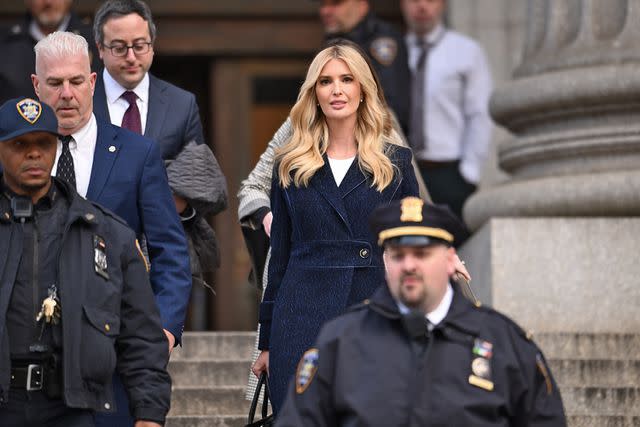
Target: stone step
{"x":621,"y":401}
{"x":227,"y":400}
{"x":602,"y":421}
{"x":215,"y":345}
{"x":604,"y":372}
{"x":209,"y":373}
{"x":207,"y":421}
{"x":567,"y":345}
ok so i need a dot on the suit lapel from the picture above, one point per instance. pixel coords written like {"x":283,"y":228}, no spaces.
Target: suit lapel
{"x":324,"y":182}
{"x":352,"y":179}
{"x":106,"y":152}
{"x":100,"y":107}
{"x":158,"y":108}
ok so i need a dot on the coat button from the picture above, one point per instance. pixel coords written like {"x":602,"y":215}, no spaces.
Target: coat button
{"x":107,"y":327}
{"x":364,"y":253}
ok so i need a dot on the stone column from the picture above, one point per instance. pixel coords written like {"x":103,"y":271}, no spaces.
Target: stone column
{"x":555,"y":246}
{"x":573,"y":108}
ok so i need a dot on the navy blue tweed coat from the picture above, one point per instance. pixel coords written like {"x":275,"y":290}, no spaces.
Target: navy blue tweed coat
{"x":323,"y":258}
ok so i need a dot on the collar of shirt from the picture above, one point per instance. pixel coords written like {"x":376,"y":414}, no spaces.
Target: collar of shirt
{"x":82,"y":148}
{"x":38,"y":35}
{"x":436,"y":316}
{"x":432,"y":38}
{"x":117,"y":105}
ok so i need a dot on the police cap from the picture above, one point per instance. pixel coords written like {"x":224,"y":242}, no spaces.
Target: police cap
{"x":412,"y":222}
{"x":24,"y":115}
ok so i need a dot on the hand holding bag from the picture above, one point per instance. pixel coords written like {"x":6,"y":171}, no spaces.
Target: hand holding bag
{"x":267,"y":420}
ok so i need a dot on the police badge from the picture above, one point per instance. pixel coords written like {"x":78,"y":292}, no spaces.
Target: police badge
{"x":384,"y":50}
{"x":29,"y":109}
{"x":481,"y":365}
{"x":100,"y":256}
{"x":307,"y":368}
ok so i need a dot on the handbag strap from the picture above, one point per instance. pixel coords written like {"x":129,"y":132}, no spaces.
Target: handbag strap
{"x":262,"y":381}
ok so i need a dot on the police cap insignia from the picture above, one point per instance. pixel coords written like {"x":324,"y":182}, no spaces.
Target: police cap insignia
{"x":307,"y":368}
{"x":29,"y":109}
{"x":411,"y":208}
{"x":384,"y":50}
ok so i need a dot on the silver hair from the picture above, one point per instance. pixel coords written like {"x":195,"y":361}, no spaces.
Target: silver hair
{"x":61,"y":44}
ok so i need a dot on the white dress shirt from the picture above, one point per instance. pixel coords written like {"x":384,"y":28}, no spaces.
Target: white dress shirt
{"x":458,"y":86}
{"x":436,"y":316}
{"x":117,"y":105}
{"x":82,"y":148}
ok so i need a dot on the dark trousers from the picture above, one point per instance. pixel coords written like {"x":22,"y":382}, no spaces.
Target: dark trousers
{"x":35,"y":409}
{"x":446,"y":184}
{"x":122,"y":416}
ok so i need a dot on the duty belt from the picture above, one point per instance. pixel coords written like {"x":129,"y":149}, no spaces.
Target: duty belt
{"x":30,"y":377}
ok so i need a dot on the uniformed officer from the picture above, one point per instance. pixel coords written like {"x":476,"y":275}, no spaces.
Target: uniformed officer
{"x":418,"y":353}
{"x":354,"y":20}
{"x":75,"y":298}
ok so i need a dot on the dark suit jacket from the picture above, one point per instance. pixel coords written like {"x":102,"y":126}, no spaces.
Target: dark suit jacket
{"x":173,"y":118}
{"x":323,"y":257}
{"x":128,"y":177}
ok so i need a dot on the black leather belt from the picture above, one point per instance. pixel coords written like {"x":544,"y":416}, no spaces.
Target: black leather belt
{"x":30,"y":377}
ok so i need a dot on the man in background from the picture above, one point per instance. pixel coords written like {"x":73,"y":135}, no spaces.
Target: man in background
{"x":450,"y":126}
{"x":16,"y":42}
{"x":128,"y":95}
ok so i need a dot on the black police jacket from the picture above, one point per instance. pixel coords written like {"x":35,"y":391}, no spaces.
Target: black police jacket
{"x":109,"y":315}
{"x":387,"y":51}
{"x":476,"y":368}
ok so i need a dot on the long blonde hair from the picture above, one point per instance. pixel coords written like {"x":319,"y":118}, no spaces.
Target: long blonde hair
{"x":302,"y":155}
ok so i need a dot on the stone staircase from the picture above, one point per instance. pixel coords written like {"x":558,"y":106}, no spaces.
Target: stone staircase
{"x":209,"y":376}
{"x":598,"y":374}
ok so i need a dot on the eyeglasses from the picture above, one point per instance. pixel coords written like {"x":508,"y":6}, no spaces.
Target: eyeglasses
{"x":139,"y":48}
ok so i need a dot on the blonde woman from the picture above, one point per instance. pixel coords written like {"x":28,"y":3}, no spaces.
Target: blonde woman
{"x":341,"y":161}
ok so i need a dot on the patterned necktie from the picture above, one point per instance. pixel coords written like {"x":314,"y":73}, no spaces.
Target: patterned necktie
{"x":65,"y":168}
{"x":131,"y":118}
{"x":417,"y":137}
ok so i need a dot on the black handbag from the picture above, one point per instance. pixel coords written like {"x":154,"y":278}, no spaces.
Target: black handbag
{"x":267,"y":420}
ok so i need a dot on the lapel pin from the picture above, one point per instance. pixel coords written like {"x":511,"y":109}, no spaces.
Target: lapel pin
{"x":112,"y":149}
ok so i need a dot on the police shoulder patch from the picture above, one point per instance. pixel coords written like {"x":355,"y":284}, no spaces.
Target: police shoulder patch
{"x":384,"y":50}
{"x":29,"y":109}
{"x":307,"y":368}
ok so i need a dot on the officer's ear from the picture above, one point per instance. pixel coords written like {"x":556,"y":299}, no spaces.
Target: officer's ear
{"x":385,"y":255}
{"x":451,"y":261}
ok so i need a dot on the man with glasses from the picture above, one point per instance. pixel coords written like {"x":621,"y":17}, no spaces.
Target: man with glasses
{"x":128,"y":95}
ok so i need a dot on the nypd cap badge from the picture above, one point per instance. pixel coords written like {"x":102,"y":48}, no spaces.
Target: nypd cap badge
{"x":19,"y":116}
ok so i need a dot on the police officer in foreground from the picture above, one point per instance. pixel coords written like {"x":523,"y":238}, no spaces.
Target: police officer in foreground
{"x":75,"y":298}
{"x":418,"y":353}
